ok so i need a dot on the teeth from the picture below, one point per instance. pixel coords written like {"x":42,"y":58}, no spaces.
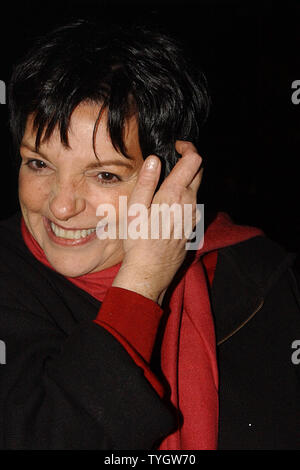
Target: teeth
{"x":71,"y":234}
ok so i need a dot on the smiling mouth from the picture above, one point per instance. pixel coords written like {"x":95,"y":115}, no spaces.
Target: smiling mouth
{"x":70,"y":234}
{"x":68,"y":237}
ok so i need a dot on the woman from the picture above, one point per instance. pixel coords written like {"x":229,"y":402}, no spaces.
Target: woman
{"x":111,"y":341}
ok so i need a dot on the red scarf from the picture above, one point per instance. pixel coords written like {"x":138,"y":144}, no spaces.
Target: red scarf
{"x":188,"y":355}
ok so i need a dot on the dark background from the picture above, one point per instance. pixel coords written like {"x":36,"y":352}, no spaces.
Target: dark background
{"x":249,"y":52}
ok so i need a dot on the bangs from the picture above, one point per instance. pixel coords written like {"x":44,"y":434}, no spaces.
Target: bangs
{"x":55,"y":112}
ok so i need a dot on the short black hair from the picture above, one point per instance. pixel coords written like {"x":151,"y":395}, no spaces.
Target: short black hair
{"x":127,"y":70}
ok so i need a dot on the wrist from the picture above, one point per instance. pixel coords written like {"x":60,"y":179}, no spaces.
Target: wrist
{"x":138,"y":284}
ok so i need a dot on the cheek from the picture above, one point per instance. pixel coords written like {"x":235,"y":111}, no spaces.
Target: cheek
{"x":111,"y":205}
{"x":106,"y":204}
{"x":110,"y":196}
{"x":32,"y":191}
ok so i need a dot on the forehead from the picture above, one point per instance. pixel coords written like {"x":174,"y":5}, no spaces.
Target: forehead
{"x":83,"y":131}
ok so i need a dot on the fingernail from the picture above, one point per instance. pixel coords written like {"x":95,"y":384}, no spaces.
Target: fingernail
{"x":151,"y":163}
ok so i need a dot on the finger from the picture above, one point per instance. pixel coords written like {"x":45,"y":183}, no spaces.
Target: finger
{"x":183,"y":145}
{"x":186,"y":168}
{"x":147,"y":181}
{"x":195,"y":184}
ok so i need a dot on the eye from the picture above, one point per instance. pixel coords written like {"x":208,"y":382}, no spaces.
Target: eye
{"x":36,"y":165}
{"x":107,"y":178}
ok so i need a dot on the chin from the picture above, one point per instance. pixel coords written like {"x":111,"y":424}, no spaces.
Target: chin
{"x":71,"y":269}
{"x":69,"y":272}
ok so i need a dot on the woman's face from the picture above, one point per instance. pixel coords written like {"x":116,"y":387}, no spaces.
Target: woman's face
{"x":64,"y":186}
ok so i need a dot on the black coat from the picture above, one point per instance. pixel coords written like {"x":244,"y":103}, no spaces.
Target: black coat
{"x":256,"y":303}
{"x":68,"y":384}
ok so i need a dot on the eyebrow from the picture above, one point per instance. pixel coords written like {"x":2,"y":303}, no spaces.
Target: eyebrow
{"x":92,"y":165}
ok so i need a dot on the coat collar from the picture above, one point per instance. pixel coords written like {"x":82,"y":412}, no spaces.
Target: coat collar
{"x":244,"y":275}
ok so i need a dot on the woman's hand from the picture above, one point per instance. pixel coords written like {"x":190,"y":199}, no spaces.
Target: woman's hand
{"x":149,"y":265}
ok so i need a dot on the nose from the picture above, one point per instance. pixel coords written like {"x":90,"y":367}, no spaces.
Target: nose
{"x":65,"y":201}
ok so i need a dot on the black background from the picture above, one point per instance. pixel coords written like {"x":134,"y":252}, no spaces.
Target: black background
{"x":249,"y":52}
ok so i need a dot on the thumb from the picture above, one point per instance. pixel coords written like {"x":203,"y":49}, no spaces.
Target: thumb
{"x":147,"y":181}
